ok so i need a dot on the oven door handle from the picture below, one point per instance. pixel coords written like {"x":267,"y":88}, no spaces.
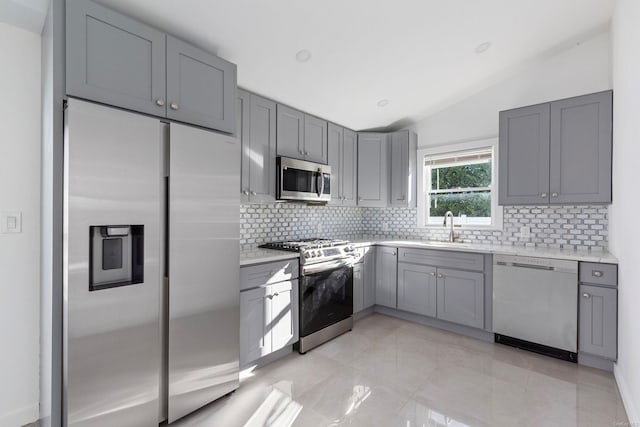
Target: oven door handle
{"x":325,"y":266}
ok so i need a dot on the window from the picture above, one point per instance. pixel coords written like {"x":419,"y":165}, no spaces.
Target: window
{"x":460,"y":178}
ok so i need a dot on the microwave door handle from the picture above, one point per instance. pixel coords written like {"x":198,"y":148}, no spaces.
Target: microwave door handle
{"x":321,"y":185}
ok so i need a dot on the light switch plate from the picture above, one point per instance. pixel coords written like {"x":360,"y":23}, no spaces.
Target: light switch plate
{"x":10,"y":222}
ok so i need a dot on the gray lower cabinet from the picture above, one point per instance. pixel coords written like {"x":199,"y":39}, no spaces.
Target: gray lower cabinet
{"x":460,"y":297}
{"x":386,"y":276}
{"x":114,"y":59}
{"x":372,"y":169}
{"x":342,"y":156}
{"x":598,"y":321}
{"x":364,"y":280}
{"x":257,"y":132}
{"x":199,"y":87}
{"x":417,"y":289}
{"x":268,"y":319}
{"x":557,"y":152}
{"x":402,"y":169}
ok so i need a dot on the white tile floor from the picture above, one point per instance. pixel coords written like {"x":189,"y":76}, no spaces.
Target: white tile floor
{"x":388,"y":372}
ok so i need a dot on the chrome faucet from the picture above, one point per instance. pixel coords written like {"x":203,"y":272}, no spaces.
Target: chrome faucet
{"x":447,"y":215}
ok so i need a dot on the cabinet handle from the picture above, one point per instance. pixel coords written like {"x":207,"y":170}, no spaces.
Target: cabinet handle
{"x":270,"y":296}
{"x":300,"y":151}
{"x":543,"y":195}
{"x":433,"y":273}
{"x":596,"y":273}
{"x":245,"y":192}
{"x":554,"y":194}
{"x":359,"y":199}
{"x":276,"y":294}
{"x":174,"y":106}
{"x":440,"y":276}
{"x":160,"y":102}
{"x":306,"y":153}
{"x":586,"y":295}
{"x":393,"y":254}
{"x":253,"y":193}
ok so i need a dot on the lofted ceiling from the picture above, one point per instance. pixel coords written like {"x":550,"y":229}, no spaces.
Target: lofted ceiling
{"x":419,"y":55}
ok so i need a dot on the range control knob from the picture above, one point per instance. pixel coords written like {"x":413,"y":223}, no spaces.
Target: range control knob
{"x":307,"y":255}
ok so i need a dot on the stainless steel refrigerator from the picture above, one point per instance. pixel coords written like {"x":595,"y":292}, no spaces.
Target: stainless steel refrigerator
{"x":151,"y":277}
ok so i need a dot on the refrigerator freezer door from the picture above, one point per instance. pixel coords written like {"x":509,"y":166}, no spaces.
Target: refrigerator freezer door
{"x":204,"y":290}
{"x":113,"y":177}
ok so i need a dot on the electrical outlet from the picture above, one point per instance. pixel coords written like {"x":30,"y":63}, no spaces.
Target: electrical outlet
{"x":319,"y":227}
{"x":10,"y":222}
{"x":525,"y":232}
{"x":385,"y":226}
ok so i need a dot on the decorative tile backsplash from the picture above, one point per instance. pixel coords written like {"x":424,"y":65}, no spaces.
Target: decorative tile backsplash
{"x":582,"y":227}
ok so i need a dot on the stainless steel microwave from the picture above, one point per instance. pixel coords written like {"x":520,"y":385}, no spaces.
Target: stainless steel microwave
{"x":302,"y":180}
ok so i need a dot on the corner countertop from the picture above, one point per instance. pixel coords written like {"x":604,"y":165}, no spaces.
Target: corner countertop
{"x":257,"y":255}
{"x":598,"y":255}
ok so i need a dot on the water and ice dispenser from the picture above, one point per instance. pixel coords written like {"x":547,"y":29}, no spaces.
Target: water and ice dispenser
{"x":116,"y":256}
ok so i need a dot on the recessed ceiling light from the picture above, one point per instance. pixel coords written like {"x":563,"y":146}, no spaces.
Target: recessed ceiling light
{"x":303,"y":56}
{"x":383,"y":103}
{"x":483,"y":47}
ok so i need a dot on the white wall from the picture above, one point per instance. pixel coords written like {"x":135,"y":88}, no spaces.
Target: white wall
{"x":624,"y":233}
{"x":578,"y":70}
{"x":20,"y":253}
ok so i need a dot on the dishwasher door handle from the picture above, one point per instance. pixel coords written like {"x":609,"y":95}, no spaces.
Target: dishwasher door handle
{"x":537,"y":267}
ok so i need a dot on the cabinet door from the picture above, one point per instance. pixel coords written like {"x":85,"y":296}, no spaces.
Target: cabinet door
{"x":524,"y":156}
{"x":417,"y":289}
{"x":598,"y":328}
{"x":399,"y":168}
{"x":580,"y":153}
{"x":262,"y":151}
{"x":315,"y":139}
{"x":358,"y":287}
{"x":369,"y":279}
{"x":386,"y":277}
{"x":372,"y":169}
{"x":243,"y":120}
{"x":114,"y":59}
{"x":255,"y":324}
{"x":461,"y":297}
{"x":335,"y":142}
{"x":349,"y":168}
{"x":284,"y":314}
{"x":201,"y":87}
{"x":290,"y":137}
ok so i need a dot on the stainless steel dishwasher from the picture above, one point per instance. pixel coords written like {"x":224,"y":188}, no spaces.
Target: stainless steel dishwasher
{"x":535,"y":304}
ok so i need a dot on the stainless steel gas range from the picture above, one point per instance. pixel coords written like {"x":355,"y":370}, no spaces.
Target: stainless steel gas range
{"x":326,"y":288}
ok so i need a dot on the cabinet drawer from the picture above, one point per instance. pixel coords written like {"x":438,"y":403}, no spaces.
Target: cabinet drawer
{"x":265,"y":274}
{"x":600,"y":274}
{"x":459,"y":260}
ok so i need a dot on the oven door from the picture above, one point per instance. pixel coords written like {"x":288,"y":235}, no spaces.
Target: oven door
{"x":326,"y":295}
{"x":301,"y":180}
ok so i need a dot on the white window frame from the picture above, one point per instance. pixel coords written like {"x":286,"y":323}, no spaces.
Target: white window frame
{"x":439,"y":150}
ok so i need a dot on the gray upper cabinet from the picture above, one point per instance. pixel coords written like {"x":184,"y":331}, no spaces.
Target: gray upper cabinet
{"x":258,"y":148}
{"x":372,"y":169}
{"x":417,"y":289}
{"x":580,"y":154}
{"x":243,"y":109}
{"x":199,"y":87}
{"x":402,"y":173}
{"x":598,"y":317}
{"x":114,"y":59}
{"x":315,"y":139}
{"x":386,"y":278}
{"x":460,"y":297}
{"x":558,"y":152}
{"x":524,"y":156}
{"x":290,"y":128}
{"x":342,"y":155}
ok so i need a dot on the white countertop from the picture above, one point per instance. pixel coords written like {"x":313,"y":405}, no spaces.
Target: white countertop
{"x":259,"y":255}
{"x":598,"y":255}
